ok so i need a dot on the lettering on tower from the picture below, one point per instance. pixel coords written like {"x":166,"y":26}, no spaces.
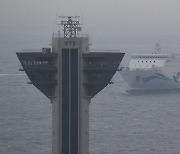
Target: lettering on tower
{"x":70,"y":43}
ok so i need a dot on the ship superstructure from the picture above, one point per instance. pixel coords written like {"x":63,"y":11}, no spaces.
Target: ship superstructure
{"x":153,"y":71}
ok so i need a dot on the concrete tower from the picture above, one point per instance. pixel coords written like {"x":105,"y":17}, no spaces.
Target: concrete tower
{"x":70,"y":76}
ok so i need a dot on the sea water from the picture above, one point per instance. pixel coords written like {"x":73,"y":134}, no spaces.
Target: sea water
{"x":120,"y":123}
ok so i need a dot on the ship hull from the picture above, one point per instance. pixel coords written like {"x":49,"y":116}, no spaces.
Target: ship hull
{"x":151,"y":79}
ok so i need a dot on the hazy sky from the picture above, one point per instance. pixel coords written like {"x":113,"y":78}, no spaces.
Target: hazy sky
{"x":110,"y":17}
{"x":132,"y":13}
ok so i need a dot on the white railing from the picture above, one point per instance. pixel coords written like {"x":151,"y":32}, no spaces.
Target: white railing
{"x":105,"y":50}
{"x":59,"y":35}
{"x":31,"y":50}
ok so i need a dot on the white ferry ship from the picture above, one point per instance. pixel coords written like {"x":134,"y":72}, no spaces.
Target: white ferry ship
{"x":153,"y":71}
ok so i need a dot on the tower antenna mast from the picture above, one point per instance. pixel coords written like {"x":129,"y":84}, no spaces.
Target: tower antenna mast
{"x":70,"y":25}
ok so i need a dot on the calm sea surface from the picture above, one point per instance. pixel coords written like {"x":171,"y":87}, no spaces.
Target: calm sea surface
{"x":120,"y":123}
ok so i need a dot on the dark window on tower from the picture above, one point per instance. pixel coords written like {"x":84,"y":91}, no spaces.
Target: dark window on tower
{"x":74,"y":101}
{"x":65,"y":101}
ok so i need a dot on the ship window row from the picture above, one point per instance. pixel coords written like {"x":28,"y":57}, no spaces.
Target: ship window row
{"x":147,"y":61}
{"x":150,"y":57}
{"x":98,"y":77}
{"x":36,"y":63}
{"x":41,"y":77}
{"x":104,"y":63}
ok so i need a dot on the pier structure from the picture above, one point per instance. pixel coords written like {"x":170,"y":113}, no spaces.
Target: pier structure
{"x":70,"y":76}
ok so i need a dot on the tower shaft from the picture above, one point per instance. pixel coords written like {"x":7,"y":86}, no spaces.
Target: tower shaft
{"x":70,"y":105}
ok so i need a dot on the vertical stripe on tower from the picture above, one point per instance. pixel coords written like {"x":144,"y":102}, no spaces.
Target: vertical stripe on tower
{"x":65,"y":101}
{"x":74,"y":101}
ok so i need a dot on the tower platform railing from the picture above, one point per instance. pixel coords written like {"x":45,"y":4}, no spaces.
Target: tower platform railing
{"x":61,"y":35}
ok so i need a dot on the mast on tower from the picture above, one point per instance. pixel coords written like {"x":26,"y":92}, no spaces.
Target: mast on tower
{"x":71,"y":26}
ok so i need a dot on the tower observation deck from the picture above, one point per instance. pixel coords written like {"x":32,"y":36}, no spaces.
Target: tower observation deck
{"x":70,"y":76}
